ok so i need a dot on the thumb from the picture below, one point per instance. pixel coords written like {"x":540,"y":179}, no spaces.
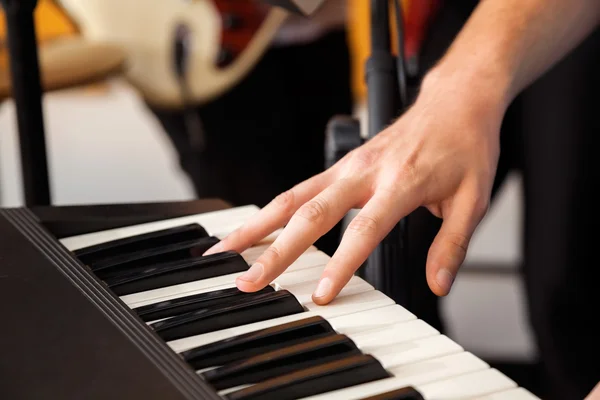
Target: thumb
{"x":449,"y":248}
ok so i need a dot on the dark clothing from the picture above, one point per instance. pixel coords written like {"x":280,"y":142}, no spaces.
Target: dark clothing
{"x":267,"y":134}
{"x":548,"y":135}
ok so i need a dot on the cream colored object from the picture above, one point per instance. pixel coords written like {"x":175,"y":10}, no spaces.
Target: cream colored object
{"x":146,"y":29}
{"x":70,"y":62}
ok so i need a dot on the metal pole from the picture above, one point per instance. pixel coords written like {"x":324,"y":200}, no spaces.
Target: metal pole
{"x":27,"y":94}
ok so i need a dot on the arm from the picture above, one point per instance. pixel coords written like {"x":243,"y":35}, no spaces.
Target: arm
{"x":507,"y":44}
{"x":441,"y":154}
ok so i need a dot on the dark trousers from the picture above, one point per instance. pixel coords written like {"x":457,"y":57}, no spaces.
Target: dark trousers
{"x":548,"y":135}
{"x":267,"y":134}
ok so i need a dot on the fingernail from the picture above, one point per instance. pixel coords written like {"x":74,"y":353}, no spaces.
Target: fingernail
{"x":253,"y":274}
{"x":445,"y":279}
{"x":323,"y":288}
{"x":217,"y":248}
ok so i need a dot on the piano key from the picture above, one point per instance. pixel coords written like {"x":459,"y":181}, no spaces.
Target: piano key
{"x":388,"y":352}
{"x":411,"y":351}
{"x":326,"y":377}
{"x":170,"y":308}
{"x":395,"y":346}
{"x":258,"y":307}
{"x":405,"y":393}
{"x":217,"y":223}
{"x":467,"y":386}
{"x":281,"y":361}
{"x":374,"y":319}
{"x":304,"y":290}
{"x":337,"y":374}
{"x":175,"y":273}
{"x":510,"y":394}
{"x":168,"y":253}
{"x":413,"y":374}
{"x":363,"y":305}
{"x":245,"y":345}
{"x":307,"y":260}
{"x":257,"y":342}
{"x":143,"y":242}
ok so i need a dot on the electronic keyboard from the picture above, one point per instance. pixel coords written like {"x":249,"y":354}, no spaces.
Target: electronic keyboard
{"x":137,"y":312}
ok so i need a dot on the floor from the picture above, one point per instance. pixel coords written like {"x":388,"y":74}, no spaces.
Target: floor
{"x":103,"y":147}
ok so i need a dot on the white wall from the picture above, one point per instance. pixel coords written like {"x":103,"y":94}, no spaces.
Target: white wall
{"x":104,"y":147}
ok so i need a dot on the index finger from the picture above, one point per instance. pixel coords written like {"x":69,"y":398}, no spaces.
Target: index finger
{"x":273,"y":216}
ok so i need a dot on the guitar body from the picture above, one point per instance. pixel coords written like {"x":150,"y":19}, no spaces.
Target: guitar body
{"x":227,"y":38}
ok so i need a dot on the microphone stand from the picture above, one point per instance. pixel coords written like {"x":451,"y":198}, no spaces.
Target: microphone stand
{"x":387,"y":268}
{"x":27,"y":94}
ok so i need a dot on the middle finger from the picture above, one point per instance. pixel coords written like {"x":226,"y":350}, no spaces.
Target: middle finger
{"x":311,"y":221}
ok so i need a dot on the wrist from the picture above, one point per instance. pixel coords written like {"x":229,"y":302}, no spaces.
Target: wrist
{"x":485,"y":89}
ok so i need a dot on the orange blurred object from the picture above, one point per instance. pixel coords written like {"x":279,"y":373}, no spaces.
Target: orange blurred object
{"x":51,"y":22}
{"x":417,"y":16}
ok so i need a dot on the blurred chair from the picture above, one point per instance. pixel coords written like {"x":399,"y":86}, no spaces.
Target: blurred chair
{"x":66,"y":58}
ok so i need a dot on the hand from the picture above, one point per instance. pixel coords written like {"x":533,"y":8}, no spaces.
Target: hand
{"x":442,"y":154}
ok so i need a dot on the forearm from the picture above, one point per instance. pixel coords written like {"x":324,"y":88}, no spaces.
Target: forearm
{"x":507,"y":44}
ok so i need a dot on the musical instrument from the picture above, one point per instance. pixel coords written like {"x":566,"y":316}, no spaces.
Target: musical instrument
{"x":226,"y":40}
{"x":136,"y":312}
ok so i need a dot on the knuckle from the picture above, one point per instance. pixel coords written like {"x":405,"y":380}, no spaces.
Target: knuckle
{"x":408,"y":174}
{"x":458,"y":240}
{"x":272,"y":254}
{"x":363,"y":225}
{"x":362,"y":159}
{"x":313,"y":211}
{"x":285,"y":201}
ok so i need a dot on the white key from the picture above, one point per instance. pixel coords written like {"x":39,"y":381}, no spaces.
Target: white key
{"x":467,"y":386}
{"x":411,"y":351}
{"x":306,"y":261}
{"x":303,"y":291}
{"x":419,"y":373}
{"x":222,"y":221}
{"x":511,"y":394}
{"x":343,"y":306}
{"x":371,"y":340}
{"x":353,"y":303}
{"x":374,"y":319}
{"x":252,"y":254}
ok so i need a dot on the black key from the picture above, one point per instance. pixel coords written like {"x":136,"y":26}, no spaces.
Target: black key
{"x":173,"y":273}
{"x":255,"y":343}
{"x":350,"y":371}
{"x":406,"y":393}
{"x":111,"y":267}
{"x":279,"y":362}
{"x":256,"y":308}
{"x":92,"y":254}
{"x":181,"y":305}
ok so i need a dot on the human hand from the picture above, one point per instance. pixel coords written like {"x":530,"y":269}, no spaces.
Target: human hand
{"x":442,"y":154}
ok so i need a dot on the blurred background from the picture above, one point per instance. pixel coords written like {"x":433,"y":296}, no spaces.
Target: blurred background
{"x":105,"y":145}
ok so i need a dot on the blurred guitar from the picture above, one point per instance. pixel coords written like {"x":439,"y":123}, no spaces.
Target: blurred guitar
{"x":221,"y":40}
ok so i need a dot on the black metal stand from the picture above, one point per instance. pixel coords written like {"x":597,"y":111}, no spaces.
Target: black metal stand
{"x":27,"y":94}
{"x":387,"y":268}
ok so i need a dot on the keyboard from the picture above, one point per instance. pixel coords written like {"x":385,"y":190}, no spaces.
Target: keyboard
{"x":138,"y":312}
